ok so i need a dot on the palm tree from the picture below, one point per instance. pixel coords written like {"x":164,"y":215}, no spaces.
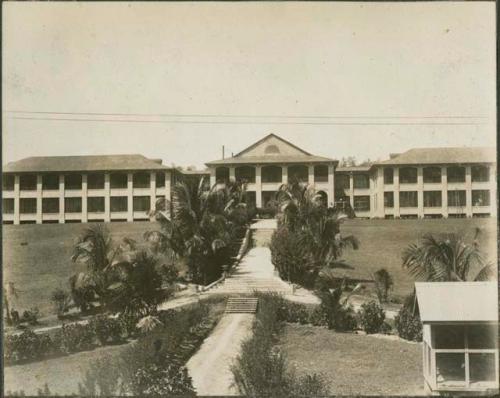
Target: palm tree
{"x":447,"y":259}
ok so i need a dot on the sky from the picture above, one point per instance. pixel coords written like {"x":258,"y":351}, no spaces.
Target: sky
{"x":178,"y":80}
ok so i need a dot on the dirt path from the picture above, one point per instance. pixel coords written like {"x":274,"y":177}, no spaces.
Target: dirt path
{"x":210,"y":367}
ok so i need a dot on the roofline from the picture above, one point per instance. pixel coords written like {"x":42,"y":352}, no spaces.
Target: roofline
{"x":222,"y":162}
{"x":265,"y":138}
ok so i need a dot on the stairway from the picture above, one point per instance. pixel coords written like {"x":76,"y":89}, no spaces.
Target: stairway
{"x":241,"y":305}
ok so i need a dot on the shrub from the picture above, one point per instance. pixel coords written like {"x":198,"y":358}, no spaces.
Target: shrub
{"x":293,"y":313}
{"x":383,"y":283}
{"x":168,"y":273}
{"x":61,"y":301}
{"x":317,"y":317}
{"x":339,"y":316}
{"x":311,"y":386}
{"x":371,"y":317}
{"x":27,"y":346}
{"x":107,"y":330}
{"x":31,"y":316}
{"x":75,"y":337}
{"x":408,"y":322}
{"x":169,"y":380}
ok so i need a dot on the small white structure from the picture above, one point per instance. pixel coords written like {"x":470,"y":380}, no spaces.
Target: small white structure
{"x":460,"y":336}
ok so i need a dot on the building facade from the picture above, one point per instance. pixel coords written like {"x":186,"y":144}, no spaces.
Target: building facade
{"x":67,"y":189}
{"x":419,"y":183}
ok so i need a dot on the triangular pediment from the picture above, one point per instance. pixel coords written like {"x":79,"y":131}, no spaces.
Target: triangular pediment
{"x":272,"y":145}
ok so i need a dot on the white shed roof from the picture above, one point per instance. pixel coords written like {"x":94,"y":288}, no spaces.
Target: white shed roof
{"x":457,"y":301}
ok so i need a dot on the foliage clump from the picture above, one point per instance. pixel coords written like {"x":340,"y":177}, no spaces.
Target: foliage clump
{"x":407,"y":322}
{"x":371,"y":317}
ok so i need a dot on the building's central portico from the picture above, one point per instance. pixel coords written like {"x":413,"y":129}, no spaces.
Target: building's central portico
{"x":271,"y":162}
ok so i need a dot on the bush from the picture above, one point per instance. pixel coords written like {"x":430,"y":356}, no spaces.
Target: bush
{"x":61,"y":301}
{"x":317,"y":317}
{"x":107,"y":330}
{"x":31,"y":316}
{"x":383,"y":283}
{"x":408,"y":322}
{"x":293,"y":313}
{"x":27,"y":346}
{"x":338,"y":316}
{"x":371,"y":317}
{"x":75,"y":337}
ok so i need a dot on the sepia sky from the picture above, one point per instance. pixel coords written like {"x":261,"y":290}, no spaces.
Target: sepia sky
{"x":179,"y":80}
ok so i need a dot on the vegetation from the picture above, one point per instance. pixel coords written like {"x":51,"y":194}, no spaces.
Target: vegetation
{"x":203,"y":226}
{"x":407,"y":322}
{"x":262,"y":369}
{"x":371,"y":317}
{"x":449,"y":258}
{"x":61,"y":300}
{"x":308,"y":238}
{"x":338,"y":314}
{"x":383,"y":284}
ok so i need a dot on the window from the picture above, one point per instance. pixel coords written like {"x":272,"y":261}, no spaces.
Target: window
{"x":408,"y":199}
{"x":388,"y":176}
{"x":388,"y":199}
{"x":361,"y":181}
{"x":480,"y":197}
{"x":160,"y":180}
{"x":222,"y":174}
{"x":27,"y":205}
{"x":299,"y":172}
{"x":432,"y":199}
{"x":8,"y":182}
{"x":342,"y":181}
{"x":95,"y":181}
{"x":432,"y":174}
{"x":27,"y":182}
{"x":142,"y":203}
{"x":273,"y":173}
{"x":480,"y":173}
{"x":72,"y":205}
{"x":362,"y":203}
{"x":456,"y":198}
{"x":8,"y":206}
{"x":118,"y":203}
{"x":118,"y":180}
{"x":50,"y":205}
{"x":95,"y":205}
{"x":245,"y":173}
{"x":321,"y":173}
{"x":408,"y":175}
{"x":271,"y":149}
{"x":456,"y":174}
{"x":73,"y":181}
{"x":141,"y":180}
{"x":50,"y":182}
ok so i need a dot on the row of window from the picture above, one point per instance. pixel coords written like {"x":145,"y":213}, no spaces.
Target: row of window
{"x":74,"y":205}
{"x":273,"y":173}
{"x":28,"y":182}
{"x":480,"y":197}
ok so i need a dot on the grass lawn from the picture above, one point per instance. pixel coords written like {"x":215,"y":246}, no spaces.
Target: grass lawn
{"x":37,"y":258}
{"x":383,"y":241}
{"x":355,"y":364}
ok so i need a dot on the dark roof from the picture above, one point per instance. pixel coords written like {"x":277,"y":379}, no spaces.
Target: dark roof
{"x":443,"y":156}
{"x":265,"y":138}
{"x":82,"y":163}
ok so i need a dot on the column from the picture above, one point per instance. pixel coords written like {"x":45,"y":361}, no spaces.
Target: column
{"x":373,"y":196}
{"x":468,"y":192}
{"x":380,"y":192}
{"x":107,"y":197}
{"x":311,"y":175}
{"x":351,"y":189}
{"x":444,"y":191}
{"x":17,"y":195}
{"x":152,"y":196}
{"x":331,"y":185}
{"x":420,"y":192}
{"x":396,"y":193}
{"x":258,"y":186}
{"x":168,"y":193}
{"x":61,"y":199}
{"x":213,"y":180}
{"x":85,"y":212}
{"x":130,"y":197}
{"x":284,"y":174}
{"x":232,"y":173}
{"x":39,"y":199}
{"x":493,"y":191}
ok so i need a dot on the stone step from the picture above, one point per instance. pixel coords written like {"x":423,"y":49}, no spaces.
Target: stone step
{"x":243,"y":305}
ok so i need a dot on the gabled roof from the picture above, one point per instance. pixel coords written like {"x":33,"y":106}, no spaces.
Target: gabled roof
{"x":443,"y":156}
{"x":82,"y":163}
{"x":457,"y":301}
{"x":284,"y":152}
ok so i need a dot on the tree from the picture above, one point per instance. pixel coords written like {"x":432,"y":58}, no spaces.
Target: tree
{"x":448,"y":258}
{"x":9,"y":292}
{"x":202,"y":226}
